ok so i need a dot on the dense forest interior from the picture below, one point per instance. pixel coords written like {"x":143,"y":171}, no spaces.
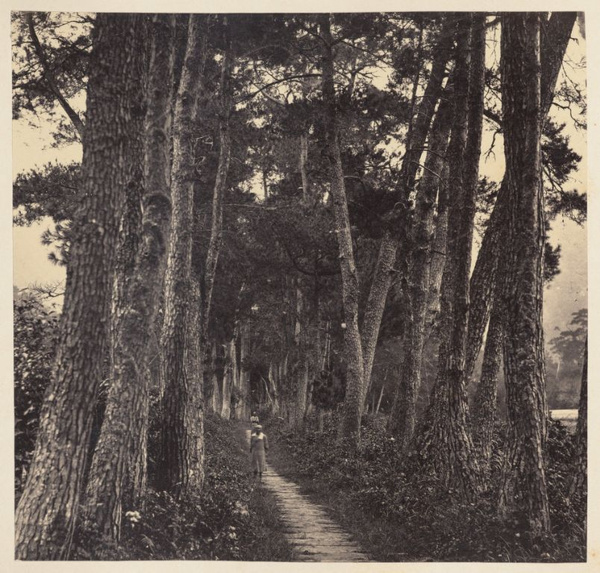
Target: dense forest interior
{"x":343,"y":222}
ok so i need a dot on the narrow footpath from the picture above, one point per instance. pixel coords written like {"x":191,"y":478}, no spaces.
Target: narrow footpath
{"x":311,"y":533}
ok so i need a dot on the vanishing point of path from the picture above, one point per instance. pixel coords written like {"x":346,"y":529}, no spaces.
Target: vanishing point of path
{"x":311,"y":533}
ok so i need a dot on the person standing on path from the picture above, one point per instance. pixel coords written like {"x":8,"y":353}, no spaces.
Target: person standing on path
{"x":259,"y":446}
{"x":254,"y":420}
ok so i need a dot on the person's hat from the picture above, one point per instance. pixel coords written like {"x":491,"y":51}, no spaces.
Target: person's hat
{"x":258,"y":427}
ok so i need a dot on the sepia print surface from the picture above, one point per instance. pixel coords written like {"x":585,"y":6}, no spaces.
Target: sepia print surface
{"x":300,"y":287}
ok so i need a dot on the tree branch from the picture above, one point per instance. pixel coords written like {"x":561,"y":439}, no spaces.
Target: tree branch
{"x":49,"y":75}
{"x":278,"y":81}
{"x":493,"y":116}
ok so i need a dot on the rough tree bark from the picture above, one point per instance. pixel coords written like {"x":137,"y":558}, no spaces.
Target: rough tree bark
{"x":302,"y":163}
{"x":121,"y":449}
{"x":522,"y":296}
{"x":180,"y":468}
{"x":47,"y":511}
{"x":554,"y":40}
{"x":487,"y":289}
{"x":388,"y":249}
{"x":380,"y":287}
{"x":352,"y":408}
{"x":450,"y":437}
{"x":485,"y":401}
{"x":402,"y":419}
{"x":438,"y":251}
{"x":485,"y":286}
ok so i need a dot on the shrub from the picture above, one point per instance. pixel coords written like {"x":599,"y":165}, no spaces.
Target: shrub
{"x":403,"y":512}
{"x":225,"y":521}
{"x":35,"y":332}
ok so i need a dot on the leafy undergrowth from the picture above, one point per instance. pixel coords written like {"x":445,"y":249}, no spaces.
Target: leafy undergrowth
{"x":234,"y":518}
{"x":398,"y":513}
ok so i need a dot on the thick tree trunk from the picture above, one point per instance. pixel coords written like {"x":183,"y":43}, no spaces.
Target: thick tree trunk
{"x":47,"y":511}
{"x":180,"y":469}
{"x":484,"y":412}
{"x":554,"y":40}
{"x":523,"y":355}
{"x":403,"y":414}
{"x":121,"y":449}
{"x":450,"y":438}
{"x":353,"y":403}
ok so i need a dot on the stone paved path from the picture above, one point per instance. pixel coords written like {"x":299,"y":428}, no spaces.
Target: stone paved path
{"x":311,"y":533}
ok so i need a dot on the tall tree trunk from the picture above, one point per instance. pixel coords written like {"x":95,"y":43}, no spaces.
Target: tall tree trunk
{"x":438,"y":251}
{"x":47,"y":511}
{"x":388,"y":249}
{"x":523,"y":355}
{"x":235,"y":373}
{"x":244,"y":375}
{"x":554,"y":40}
{"x":217,"y":398}
{"x":214,"y":246}
{"x":303,"y":160}
{"x":380,"y":397}
{"x":483,"y":279}
{"x":121,"y":449}
{"x":230,"y":372}
{"x":301,"y":343}
{"x":450,"y":432}
{"x":273,"y":387}
{"x":380,"y":287}
{"x":316,"y":363}
{"x":353,"y":402}
{"x":232,"y":375}
{"x":180,"y":469}
{"x":227,"y":387}
{"x":403,"y":414}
